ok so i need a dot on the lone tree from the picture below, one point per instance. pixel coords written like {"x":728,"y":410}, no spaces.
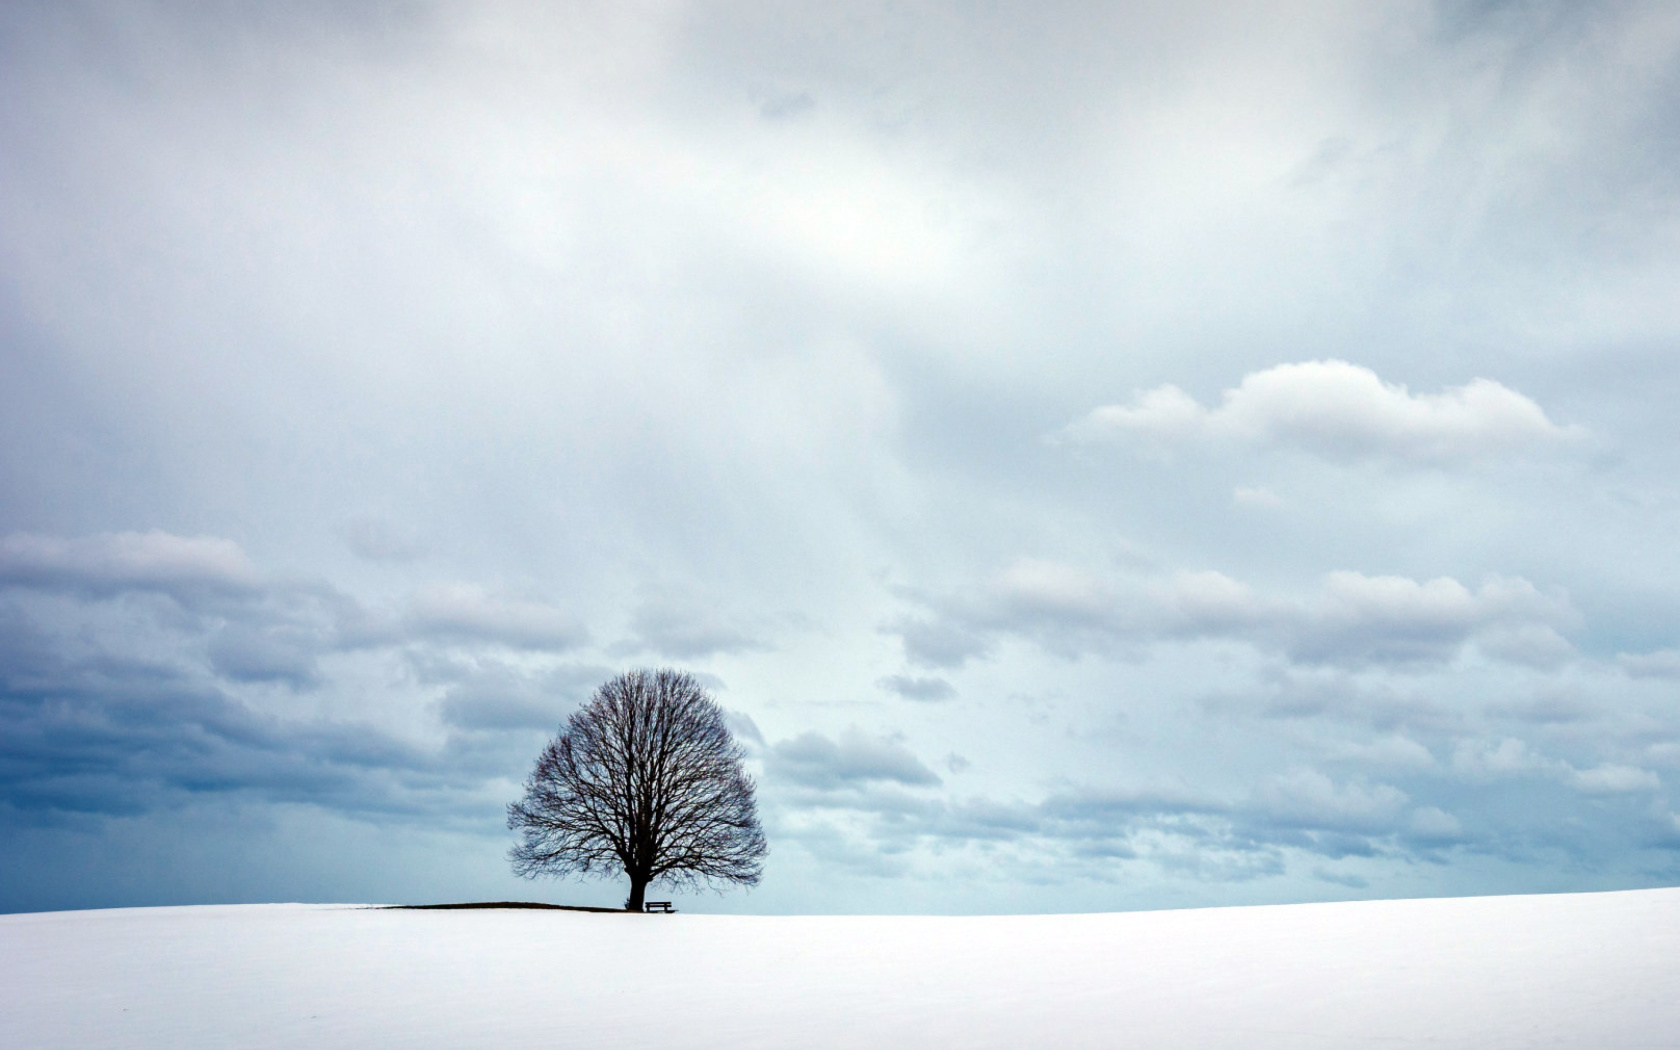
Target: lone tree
{"x":644,"y":779}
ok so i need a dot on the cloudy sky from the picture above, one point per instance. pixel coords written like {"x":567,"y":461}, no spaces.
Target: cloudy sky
{"x":1104,"y":456}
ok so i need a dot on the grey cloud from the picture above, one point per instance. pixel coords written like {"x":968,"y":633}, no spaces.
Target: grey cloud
{"x":1094,"y":832}
{"x":710,"y":681}
{"x":1507,"y":757}
{"x":1357,"y":617}
{"x":257,"y":627}
{"x":1346,"y":694}
{"x":843,"y":851}
{"x":1510,"y":757}
{"x":468,"y":613}
{"x":786,"y":105}
{"x":744,"y":728}
{"x":97,"y":741}
{"x":1553,"y":707}
{"x":1303,"y":812}
{"x":1663,"y":663}
{"x":1064,"y":609}
{"x":249,"y":654}
{"x":379,"y":540}
{"x":1353,"y":620}
{"x":254,"y":626}
{"x":687,"y":630}
{"x":778,"y":302}
{"x":983,"y":819}
{"x":1309,"y":798}
{"x":1097,"y":808}
{"x":476,"y":709}
{"x":1538,"y":645}
{"x":817,"y":761}
{"x":1430,"y":826}
{"x":1352,"y":882}
{"x":114,"y":700}
{"x":914,"y":688}
{"x":934,"y":643}
{"x":483,"y":692}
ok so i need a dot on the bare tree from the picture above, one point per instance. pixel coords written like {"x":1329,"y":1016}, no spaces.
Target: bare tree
{"x":644,"y":779}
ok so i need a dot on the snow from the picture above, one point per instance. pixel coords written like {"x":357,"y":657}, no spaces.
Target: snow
{"x":1581,"y":970}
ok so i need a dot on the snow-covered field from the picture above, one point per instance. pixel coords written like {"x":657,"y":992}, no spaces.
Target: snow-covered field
{"x":1595,"y":970}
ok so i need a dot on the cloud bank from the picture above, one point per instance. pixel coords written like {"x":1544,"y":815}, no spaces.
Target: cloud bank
{"x":376,"y":381}
{"x":1352,"y":620}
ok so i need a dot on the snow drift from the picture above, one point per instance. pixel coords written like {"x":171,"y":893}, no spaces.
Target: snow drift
{"x":1583,"y":970}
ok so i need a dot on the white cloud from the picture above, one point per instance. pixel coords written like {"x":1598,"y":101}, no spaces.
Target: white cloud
{"x":1310,"y":797}
{"x":1509,"y":757}
{"x":1396,"y":618}
{"x":1513,"y":757}
{"x":1053,"y":588}
{"x":1432,"y":824}
{"x":1401,"y":752}
{"x":1356,"y":618}
{"x":1339,"y":411}
{"x":126,"y":561}
{"x":1208,"y":602}
{"x":1353,"y":598}
{"x":1614,"y":779}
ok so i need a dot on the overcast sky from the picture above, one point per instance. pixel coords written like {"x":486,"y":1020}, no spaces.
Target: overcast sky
{"x":1103,"y":455}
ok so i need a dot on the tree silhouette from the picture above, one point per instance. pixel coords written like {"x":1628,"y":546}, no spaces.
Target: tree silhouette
{"x":644,"y":780}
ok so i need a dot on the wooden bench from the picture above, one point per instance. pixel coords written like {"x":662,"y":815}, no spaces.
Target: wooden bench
{"x":664,"y":906}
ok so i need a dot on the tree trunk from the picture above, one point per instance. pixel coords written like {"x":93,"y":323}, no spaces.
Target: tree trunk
{"x":638,"y":890}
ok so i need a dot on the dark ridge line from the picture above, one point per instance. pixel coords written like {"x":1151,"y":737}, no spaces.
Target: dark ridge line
{"x":501,"y":904}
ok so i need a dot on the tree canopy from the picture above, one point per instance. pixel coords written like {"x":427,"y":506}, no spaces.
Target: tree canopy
{"x":644,"y":780}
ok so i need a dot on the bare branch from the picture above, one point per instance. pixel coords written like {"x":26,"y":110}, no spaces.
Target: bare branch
{"x":646,"y":780}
